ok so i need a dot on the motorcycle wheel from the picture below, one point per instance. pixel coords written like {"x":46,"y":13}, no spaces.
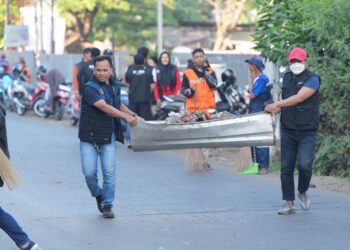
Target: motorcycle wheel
{"x":59,"y":111}
{"x":20,"y":111}
{"x":39,"y":107}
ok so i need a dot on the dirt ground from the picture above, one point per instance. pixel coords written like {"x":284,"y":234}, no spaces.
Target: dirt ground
{"x":227,"y":158}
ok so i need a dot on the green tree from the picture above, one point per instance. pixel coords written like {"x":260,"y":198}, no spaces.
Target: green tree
{"x":14,"y":10}
{"x":322,"y":28}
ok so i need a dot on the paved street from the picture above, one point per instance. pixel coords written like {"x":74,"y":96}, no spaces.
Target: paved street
{"x":159,"y":205}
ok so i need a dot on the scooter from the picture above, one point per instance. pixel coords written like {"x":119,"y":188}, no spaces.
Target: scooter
{"x":19,"y":96}
{"x":73,"y":109}
{"x":171,"y":103}
{"x":59,"y":102}
{"x":232,"y":98}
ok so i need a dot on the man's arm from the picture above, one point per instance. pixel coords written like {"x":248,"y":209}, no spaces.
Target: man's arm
{"x":303,"y":94}
{"x":112,"y":111}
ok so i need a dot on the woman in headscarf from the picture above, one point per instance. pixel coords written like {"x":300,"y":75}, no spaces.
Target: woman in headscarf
{"x":168,"y":78}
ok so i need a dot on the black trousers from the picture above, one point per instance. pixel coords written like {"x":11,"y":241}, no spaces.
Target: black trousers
{"x":296,"y":147}
{"x":142,"y":109}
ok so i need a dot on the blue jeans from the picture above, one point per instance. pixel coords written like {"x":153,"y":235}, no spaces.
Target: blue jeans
{"x":89,"y":161}
{"x":296,"y":147}
{"x":260,"y":155}
{"x":11,"y":227}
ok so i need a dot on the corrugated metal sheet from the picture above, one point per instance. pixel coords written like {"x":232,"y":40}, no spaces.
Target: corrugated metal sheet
{"x":250,"y":130}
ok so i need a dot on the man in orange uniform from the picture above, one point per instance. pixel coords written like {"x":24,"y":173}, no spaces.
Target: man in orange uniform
{"x":198,"y":85}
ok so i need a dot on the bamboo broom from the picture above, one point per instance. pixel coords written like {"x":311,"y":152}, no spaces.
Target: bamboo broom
{"x":243,"y":159}
{"x":7,"y":172}
{"x":195,"y":160}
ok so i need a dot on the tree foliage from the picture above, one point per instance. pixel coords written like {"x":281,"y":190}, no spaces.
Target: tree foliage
{"x":322,"y":28}
{"x":14,"y":10}
{"x":129,"y":23}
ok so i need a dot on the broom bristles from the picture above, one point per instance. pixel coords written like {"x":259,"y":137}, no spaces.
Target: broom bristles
{"x":196,"y":160}
{"x":8,"y":172}
{"x":243,"y":159}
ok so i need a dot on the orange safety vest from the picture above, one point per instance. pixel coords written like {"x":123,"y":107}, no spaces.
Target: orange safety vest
{"x":204,"y":97}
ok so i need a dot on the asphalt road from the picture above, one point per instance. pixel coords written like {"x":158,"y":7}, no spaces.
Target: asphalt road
{"x":159,"y":205}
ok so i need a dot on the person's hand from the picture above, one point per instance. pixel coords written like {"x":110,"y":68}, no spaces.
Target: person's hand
{"x":132,"y":120}
{"x":273,"y":108}
{"x":159,"y":103}
{"x":139,"y":118}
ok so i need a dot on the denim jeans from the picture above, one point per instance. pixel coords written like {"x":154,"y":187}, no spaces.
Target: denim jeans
{"x":261,"y":155}
{"x":89,"y":154}
{"x":11,"y":227}
{"x":296,"y":147}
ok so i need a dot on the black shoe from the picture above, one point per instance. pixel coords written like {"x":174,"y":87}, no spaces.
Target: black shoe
{"x":99,"y":200}
{"x":107,"y":212}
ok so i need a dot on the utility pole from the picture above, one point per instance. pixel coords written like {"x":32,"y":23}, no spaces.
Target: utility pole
{"x":52,"y":27}
{"x":41,"y":27}
{"x":160,"y":26}
{"x":8,"y":14}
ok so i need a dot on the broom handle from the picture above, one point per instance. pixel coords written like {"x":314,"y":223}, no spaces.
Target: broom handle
{"x":195,"y":98}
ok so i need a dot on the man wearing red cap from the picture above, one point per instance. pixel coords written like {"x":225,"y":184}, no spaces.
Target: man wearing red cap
{"x":299,"y":109}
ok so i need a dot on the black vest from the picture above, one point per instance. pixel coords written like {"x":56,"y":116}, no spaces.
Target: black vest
{"x":305,"y":115}
{"x":85,"y":74}
{"x":96,"y":126}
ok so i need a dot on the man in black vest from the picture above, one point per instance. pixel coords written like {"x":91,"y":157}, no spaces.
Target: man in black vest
{"x":86,"y":71}
{"x":299,"y":123}
{"x":99,"y":128}
{"x":140,"y":80}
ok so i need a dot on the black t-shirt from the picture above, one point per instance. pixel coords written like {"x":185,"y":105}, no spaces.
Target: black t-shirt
{"x":140,"y":79}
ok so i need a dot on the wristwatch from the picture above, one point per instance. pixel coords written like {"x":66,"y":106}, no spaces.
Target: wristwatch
{"x":134,"y":115}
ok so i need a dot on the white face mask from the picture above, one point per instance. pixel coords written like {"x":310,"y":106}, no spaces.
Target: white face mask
{"x":297,"y":68}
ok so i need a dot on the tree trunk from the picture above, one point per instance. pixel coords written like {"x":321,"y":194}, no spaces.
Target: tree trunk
{"x":227,"y":13}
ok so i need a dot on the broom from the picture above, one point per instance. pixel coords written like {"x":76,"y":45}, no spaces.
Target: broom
{"x":196,"y":161}
{"x":242,"y":160}
{"x":7,"y":172}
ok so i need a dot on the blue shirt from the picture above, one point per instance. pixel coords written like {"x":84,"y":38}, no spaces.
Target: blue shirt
{"x":312,"y":83}
{"x":92,"y":95}
{"x":260,"y":85}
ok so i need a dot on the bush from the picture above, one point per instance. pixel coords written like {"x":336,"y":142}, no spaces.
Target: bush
{"x":322,"y":28}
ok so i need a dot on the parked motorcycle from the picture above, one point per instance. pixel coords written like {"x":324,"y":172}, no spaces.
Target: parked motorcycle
{"x":19,"y":95}
{"x":60,"y":100}
{"x":38,"y":99}
{"x":172,"y":103}
{"x":73,"y":108}
{"x":232,"y":98}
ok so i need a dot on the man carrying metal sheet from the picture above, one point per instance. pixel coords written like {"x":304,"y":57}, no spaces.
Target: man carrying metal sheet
{"x":299,"y":123}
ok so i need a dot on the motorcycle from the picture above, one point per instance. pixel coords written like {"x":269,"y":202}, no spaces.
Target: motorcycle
{"x":73,"y":109}
{"x":19,"y":96}
{"x":171,"y":103}
{"x":38,"y":99}
{"x":232,"y":98}
{"x":60,"y":100}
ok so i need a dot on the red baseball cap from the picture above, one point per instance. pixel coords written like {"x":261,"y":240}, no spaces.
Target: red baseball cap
{"x":297,"y":54}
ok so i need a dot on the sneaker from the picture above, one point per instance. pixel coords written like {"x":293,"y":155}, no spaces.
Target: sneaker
{"x":99,"y":200}
{"x":286,"y":209}
{"x":107,"y":212}
{"x":36,"y":247}
{"x":263,"y":171}
{"x":253,"y":169}
{"x":305,"y":202}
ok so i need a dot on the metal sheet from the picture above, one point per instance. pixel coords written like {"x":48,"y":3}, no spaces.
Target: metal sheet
{"x":250,"y":130}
